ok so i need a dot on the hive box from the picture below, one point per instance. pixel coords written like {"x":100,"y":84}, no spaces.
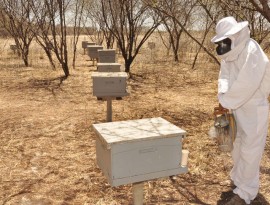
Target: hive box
{"x":108,"y":67}
{"x":109,"y":84}
{"x":107,"y":56}
{"x":92,"y":50}
{"x":151,"y":45}
{"x":138,"y":150}
{"x":90,"y":44}
{"x":13,"y":47}
{"x":84,"y":44}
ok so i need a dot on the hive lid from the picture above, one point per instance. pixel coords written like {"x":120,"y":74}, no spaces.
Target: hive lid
{"x":107,"y":50}
{"x":108,"y":64}
{"x":109,"y":74}
{"x":94,"y":46}
{"x":136,"y":130}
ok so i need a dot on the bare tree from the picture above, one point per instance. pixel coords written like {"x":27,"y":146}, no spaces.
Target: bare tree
{"x":181,"y":10}
{"x":157,"y":5}
{"x":209,"y":12}
{"x":16,"y":18}
{"x":131,"y":22}
{"x":93,"y":23}
{"x":95,"y":16}
{"x":263,"y":7}
{"x":52,"y":30}
{"x":42,"y":29}
{"x":77,"y":22}
{"x":245,"y":10}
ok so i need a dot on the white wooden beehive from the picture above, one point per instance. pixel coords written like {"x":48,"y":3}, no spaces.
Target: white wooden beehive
{"x":84,"y":44}
{"x":90,"y":44}
{"x":92,"y":50}
{"x":109,"y":84}
{"x":139,"y":150}
{"x":107,"y":56}
{"x":109,"y":67}
{"x":13,"y":47}
{"x":151,"y":45}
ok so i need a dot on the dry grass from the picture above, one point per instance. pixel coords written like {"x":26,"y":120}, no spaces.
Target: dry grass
{"x":47,"y":148}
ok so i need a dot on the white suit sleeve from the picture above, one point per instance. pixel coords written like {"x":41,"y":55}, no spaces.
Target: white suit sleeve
{"x":246,"y":84}
{"x":223,"y":80}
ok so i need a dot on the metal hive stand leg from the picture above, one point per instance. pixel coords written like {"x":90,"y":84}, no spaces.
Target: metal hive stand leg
{"x":137,"y":189}
{"x":109,"y":110}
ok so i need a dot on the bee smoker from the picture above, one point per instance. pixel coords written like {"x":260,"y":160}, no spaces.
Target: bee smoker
{"x":225,"y":128}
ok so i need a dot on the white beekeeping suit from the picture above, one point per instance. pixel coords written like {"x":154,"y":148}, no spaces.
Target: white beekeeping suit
{"x":243,"y":87}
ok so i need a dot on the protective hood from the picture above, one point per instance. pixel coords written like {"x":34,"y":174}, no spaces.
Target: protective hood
{"x":227,"y":27}
{"x":246,"y":70}
{"x":239,"y":41}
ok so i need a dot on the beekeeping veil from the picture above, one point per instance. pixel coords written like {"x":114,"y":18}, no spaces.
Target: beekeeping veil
{"x":227,"y":30}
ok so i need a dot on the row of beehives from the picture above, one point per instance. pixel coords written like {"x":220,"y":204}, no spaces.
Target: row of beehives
{"x":131,"y":151}
{"x":109,"y":81}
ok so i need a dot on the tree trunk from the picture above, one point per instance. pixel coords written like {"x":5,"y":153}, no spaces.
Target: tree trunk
{"x":65,"y":69}
{"x":25,"y":60}
{"x":49,"y":55}
{"x":176,"y":58}
{"x":127,"y":65}
{"x":25,"y":57}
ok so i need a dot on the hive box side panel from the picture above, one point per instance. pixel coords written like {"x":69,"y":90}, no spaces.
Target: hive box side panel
{"x":109,"y":68}
{"x":106,"y":57}
{"x":84,"y":44}
{"x":103,"y":157}
{"x":109,"y":86}
{"x":145,"y":160}
{"x":91,"y":44}
{"x":148,"y":176}
{"x":145,"y":156}
{"x":92,"y":51}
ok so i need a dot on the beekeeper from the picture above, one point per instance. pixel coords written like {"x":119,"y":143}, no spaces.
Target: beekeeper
{"x":243,"y":87}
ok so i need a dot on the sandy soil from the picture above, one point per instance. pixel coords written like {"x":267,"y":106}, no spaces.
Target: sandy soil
{"x":47,"y":152}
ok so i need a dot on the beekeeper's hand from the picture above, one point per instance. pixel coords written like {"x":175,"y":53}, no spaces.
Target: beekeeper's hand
{"x":220,"y":110}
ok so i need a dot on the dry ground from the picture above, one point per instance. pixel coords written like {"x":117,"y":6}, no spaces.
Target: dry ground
{"x":47,"y":152}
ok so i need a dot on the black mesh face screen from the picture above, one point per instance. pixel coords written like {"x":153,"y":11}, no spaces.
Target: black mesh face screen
{"x":223,"y":46}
